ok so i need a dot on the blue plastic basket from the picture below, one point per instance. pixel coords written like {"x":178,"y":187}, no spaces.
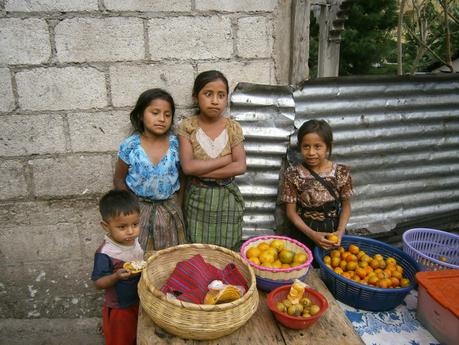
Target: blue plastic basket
{"x":363,"y":296}
{"x":428,"y":246}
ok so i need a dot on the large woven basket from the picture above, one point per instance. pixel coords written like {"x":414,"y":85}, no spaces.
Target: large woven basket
{"x":189,"y":320}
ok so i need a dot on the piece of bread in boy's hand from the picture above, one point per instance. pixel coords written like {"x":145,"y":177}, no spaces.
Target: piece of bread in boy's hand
{"x":135,"y":267}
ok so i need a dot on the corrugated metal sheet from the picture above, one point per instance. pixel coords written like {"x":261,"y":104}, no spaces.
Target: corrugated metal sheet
{"x":400,"y":135}
{"x":266,"y":114}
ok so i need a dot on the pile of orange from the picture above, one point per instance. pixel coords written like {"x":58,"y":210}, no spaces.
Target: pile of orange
{"x":274,"y":254}
{"x":356,"y":265}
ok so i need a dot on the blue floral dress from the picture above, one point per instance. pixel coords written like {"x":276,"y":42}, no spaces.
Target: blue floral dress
{"x":161,"y":218}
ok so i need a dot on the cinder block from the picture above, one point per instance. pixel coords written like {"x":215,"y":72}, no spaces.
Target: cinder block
{"x":254,"y":37}
{"x":61,"y":88}
{"x":51,"y":5}
{"x":95,"y":39}
{"x":12,"y":180}
{"x":6,"y":91}
{"x":24,"y":41}
{"x":236,"y":5}
{"x":148,"y":5}
{"x":128,"y":82}
{"x":259,"y":72}
{"x":44,"y":213}
{"x":34,"y":243}
{"x":24,"y":135}
{"x":190,"y":38}
{"x":98,"y":132}
{"x":91,"y":236}
{"x":72,"y":175}
{"x":50,"y":289}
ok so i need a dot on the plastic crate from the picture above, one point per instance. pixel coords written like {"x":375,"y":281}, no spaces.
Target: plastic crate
{"x":429,"y":246}
{"x":438,"y":308}
{"x":363,"y":296}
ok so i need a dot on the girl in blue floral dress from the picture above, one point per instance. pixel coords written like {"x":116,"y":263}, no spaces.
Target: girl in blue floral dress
{"x":148,"y":165}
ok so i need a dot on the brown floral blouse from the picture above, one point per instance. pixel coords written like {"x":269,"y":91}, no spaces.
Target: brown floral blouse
{"x":299,"y":186}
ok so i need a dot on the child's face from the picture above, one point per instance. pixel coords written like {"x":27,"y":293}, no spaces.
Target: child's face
{"x":212,"y":99}
{"x":123,"y":229}
{"x":157,"y":117}
{"x":314,"y":150}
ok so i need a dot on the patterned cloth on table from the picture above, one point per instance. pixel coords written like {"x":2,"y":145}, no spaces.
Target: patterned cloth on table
{"x":398,"y":326}
{"x":190,"y":279}
{"x":161,"y":224}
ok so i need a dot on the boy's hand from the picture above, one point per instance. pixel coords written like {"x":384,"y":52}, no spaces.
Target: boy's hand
{"x":123,"y":274}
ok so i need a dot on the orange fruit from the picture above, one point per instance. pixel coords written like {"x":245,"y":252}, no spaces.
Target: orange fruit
{"x":404,"y":282}
{"x":253,"y":252}
{"x":391,"y":260}
{"x":343,"y":264}
{"x":335,"y":262}
{"x":263,"y":246}
{"x":351,"y":266}
{"x":266,"y":257}
{"x":332,"y":238}
{"x":255,"y":260}
{"x":300,"y":258}
{"x":354,"y":249}
{"x":272,"y":251}
{"x":335,"y":253}
{"x":286,"y":256}
{"x":277,"y":244}
{"x":327,"y":259}
{"x":338,"y":270}
{"x":372,"y":280}
{"x":351,"y":257}
{"x":277,"y":264}
{"x":345,"y":254}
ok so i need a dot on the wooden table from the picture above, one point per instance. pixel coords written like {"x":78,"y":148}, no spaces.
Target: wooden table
{"x":331,"y":329}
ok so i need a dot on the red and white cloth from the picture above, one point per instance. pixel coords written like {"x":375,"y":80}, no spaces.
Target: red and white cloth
{"x":190,"y":279}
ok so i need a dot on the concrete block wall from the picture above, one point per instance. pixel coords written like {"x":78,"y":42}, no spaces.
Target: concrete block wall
{"x":70,"y":71}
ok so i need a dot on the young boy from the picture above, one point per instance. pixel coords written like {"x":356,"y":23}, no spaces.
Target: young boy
{"x":120,"y":219}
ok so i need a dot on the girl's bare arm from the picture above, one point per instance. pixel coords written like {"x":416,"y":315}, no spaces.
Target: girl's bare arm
{"x":196,"y":167}
{"x":119,"y":179}
{"x":238,"y":165}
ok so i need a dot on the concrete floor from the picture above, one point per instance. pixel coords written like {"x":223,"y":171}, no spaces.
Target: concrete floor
{"x":50,"y":332}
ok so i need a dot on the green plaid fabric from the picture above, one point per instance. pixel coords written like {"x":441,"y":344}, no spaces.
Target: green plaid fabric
{"x":214,"y":214}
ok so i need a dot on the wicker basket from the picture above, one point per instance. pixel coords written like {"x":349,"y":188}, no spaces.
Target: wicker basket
{"x":270,"y":278}
{"x":189,"y":320}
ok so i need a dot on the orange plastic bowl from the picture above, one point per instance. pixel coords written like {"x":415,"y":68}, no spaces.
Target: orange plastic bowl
{"x":296,"y":322}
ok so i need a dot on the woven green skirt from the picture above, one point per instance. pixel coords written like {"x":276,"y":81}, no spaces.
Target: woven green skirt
{"x":213,"y":214}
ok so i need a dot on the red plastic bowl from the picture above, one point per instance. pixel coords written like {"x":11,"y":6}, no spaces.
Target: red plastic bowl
{"x":296,"y":322}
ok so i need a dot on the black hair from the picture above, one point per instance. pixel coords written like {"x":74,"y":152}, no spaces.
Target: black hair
{"x":321,"y":128}
{"x":143,"y":102}
{"x":207,"y":77}
{"x":116,"y":202}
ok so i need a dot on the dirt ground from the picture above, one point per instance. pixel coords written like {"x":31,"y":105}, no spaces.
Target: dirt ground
{"x":50,"y":332}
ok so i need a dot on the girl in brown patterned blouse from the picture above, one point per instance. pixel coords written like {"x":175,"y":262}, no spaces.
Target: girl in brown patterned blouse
{"x":314,"y":209}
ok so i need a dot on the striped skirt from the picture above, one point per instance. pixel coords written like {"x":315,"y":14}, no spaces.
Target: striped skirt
{"x":214,"y":214}
{"x":161,"y":224}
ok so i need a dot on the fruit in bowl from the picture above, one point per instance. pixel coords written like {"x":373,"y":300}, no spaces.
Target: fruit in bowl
{"x":309,"y":307}
{"x":274,"y":254}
